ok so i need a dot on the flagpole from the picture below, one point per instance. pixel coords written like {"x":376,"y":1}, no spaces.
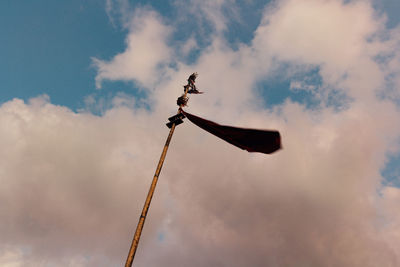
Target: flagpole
{"x":139,"y":227}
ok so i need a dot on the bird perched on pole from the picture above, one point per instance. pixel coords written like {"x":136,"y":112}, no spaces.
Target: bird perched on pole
{"x":191,"y":87}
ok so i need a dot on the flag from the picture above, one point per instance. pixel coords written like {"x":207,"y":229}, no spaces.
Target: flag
{"x":252,"y":140}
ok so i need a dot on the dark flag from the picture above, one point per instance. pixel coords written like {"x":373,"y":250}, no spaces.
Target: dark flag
{"x":252,"y":140}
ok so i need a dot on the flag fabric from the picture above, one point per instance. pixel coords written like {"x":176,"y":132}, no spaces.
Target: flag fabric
{"x":252,"y":140}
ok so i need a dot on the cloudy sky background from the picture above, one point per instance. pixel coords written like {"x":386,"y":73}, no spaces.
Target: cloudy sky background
{"x":88,"y":85}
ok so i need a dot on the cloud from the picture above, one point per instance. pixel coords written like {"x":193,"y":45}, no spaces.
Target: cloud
{"x":68,"y":180}
{"x":312,"y":204}
{"x":316,"y":203}
{"x":118,"y":12}
{"x":146,"y":51}
{"x":324,"y":34}
{"x":208,"y":12}
{"x":73,"y":183}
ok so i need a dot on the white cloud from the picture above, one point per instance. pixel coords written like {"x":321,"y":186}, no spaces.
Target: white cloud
{"x":146,"y":51}
{"x":10,"y":258}
{"x":326,"y":34}
{"x":189,"y":46}
{"x":207,"y":12}
{"x":69,"y":179}
{"x":119,"y":10}
{"x":321,"y":206}
{"x":302,"y":85}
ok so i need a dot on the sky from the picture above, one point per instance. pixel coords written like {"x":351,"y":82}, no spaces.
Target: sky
{"x":87,"y":86}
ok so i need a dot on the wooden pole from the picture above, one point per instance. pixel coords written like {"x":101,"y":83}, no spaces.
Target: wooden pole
{"x":139,"y":228}
{"x":146,"y":206}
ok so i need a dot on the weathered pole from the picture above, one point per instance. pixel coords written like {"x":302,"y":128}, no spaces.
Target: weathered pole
{"x":139,"y":228}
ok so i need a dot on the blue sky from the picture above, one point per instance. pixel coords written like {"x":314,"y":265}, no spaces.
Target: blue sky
{"x":73,"y":163}
{"x":47,"y":48}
